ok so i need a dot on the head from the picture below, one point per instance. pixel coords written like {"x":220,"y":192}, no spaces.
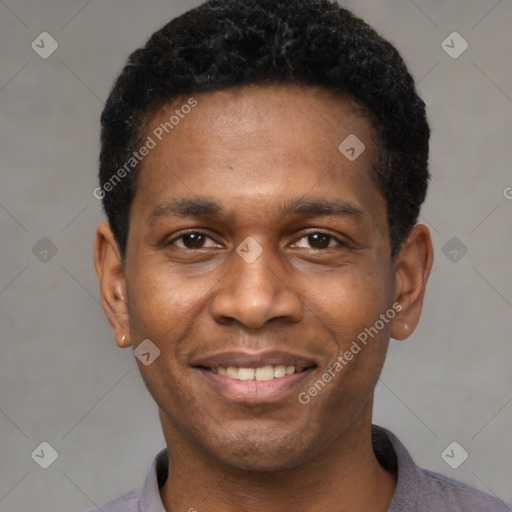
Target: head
{"x":273,"y":208}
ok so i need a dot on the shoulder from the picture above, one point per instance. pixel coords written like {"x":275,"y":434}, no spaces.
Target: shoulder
{"x":146,"y":497}
{"x":128,"y":502}
{"x":445,"y":493}
{"x":421,"y":490}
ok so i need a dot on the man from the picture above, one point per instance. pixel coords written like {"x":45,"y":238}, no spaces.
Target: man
{"x":262,"y":169}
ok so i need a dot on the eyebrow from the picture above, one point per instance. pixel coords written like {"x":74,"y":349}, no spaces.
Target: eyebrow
{"x":208,"y":207}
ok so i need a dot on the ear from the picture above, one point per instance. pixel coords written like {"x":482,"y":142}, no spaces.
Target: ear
{"x":412,"y":269}
{"x":112,"y":283}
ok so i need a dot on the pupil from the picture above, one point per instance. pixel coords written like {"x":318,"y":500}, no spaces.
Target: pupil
{"x":319,"y":240}
{"x":193,"y":240}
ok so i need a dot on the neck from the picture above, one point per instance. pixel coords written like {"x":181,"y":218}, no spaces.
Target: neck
{"x":345,"y":477}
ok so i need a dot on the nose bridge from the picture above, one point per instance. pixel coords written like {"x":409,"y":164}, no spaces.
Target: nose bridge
{"x":253,"y":292}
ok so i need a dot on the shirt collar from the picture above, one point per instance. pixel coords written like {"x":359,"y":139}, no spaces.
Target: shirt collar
{"x":407,"y":490}
{"x":150,"y":500}
{"x":384,"y":442}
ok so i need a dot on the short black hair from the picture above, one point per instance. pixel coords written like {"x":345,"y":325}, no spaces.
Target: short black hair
{"x":223,"y":44}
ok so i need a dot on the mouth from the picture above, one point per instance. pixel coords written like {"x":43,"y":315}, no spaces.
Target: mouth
{"x":255,"y":378}
{"x":260,"y":374}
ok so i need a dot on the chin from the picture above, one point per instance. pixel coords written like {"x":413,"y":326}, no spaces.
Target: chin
{"x":251,"y":453}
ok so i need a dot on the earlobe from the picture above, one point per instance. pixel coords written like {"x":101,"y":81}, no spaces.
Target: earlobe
{"x":412,"y":269}
{"x":112,"y":283}
{"x":124,"y":341}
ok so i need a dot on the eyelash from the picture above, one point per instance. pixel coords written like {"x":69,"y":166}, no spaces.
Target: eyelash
{"x":340,"y":243}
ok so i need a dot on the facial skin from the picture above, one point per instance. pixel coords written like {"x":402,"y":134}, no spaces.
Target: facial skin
{"x":255,"y":151}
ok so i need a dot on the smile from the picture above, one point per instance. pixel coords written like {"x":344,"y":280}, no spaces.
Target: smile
{"x":260,"y":374}
{"x":254,"y":377}
{"x":255,"y":386}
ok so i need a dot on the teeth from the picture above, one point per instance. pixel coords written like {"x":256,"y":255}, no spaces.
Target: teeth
{"x":232,"y":372}
{"x":290,"y":370}
{"x":260,"y":374}
{"x":246,"y":373}
{"x":280,"y":371}
{"x":265,"y":373}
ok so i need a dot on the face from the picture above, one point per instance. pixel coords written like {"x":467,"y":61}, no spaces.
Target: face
{"x":257,"y":254}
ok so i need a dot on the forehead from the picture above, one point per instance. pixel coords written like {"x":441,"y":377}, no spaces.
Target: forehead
{"x":251,"y":110}
{"x":261,"y":144}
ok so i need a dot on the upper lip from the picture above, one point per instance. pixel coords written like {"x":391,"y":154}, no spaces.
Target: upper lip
{"x":244,"y":359}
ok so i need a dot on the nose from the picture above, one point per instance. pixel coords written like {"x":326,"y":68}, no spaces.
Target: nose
{"x":254,"y":293}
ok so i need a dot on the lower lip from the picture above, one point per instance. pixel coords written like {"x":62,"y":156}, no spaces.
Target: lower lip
{"x":254,"y":391}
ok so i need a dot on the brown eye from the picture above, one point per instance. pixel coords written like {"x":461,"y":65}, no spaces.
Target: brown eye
{"x":317,"y":241}
{"x":192,"y":240}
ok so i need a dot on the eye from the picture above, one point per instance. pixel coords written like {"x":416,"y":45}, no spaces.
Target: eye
{"x":200,"y":240}
{"x":192,"y":240}
{"x":319,"y":240}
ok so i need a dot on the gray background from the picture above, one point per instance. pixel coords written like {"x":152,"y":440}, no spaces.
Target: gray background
{"x":65,"y":382}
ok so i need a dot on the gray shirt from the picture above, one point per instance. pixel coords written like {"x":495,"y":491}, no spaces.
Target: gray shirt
{"x":417,"y":490}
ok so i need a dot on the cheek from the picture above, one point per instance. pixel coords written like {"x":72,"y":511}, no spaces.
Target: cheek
{"x":350,"y":299}
{"x":163,"y":309}
{"x":349,"y":304}
{"x":163,"y":302}
{"x":167,"y":308}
